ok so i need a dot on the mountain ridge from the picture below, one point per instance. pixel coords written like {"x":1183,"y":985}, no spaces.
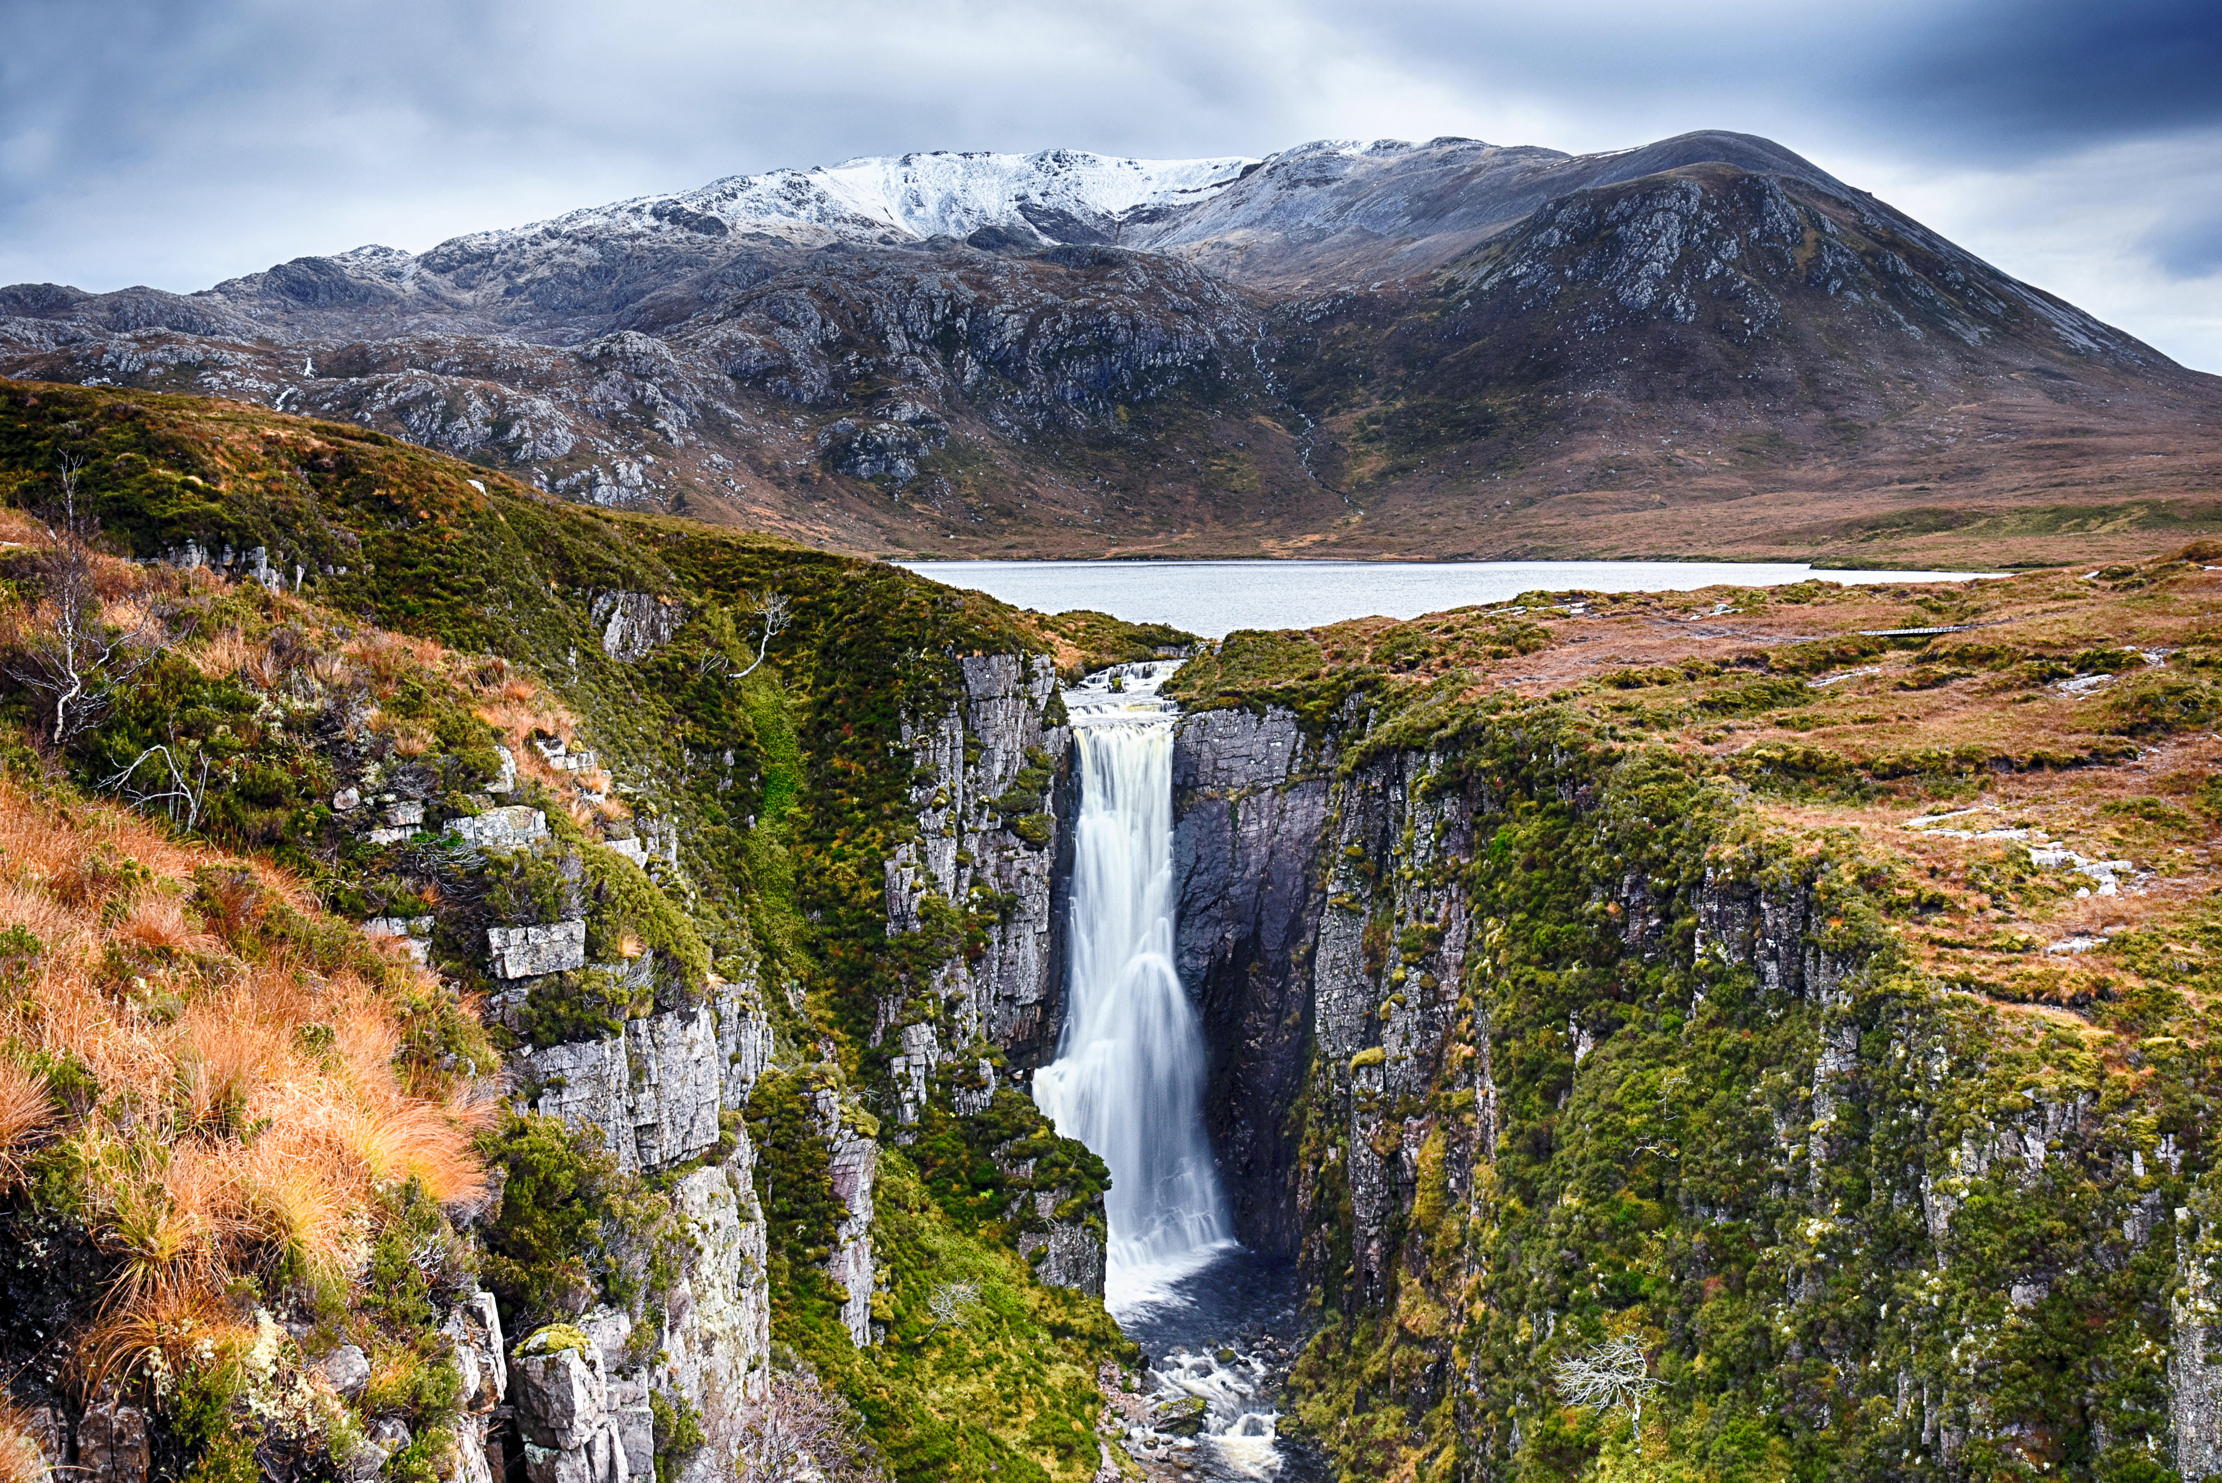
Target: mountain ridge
{"x":1345,"y":348}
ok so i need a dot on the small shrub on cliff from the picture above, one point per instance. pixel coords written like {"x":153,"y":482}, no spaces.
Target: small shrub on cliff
{"x":572,"y":1228}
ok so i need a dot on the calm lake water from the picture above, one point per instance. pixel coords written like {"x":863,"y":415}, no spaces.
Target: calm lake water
{"x":1213,"y":598}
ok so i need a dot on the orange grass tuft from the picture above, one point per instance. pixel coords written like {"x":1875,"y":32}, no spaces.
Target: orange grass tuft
{"x":22,"y":1459}
{"x":25,"y":1112}
{"x":249,"y":1109}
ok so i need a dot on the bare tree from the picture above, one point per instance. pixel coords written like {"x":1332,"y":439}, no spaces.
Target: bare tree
{"x":952,"y":1303}
{"x":803,"y":1433}
{"x":1612,"y":1374}
{"x":774,"y":613}
{"x":180,"y":792}
{"x":67,"y":652}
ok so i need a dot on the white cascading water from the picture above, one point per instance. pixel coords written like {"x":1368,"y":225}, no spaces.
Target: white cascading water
{"x":1129,"y":1074}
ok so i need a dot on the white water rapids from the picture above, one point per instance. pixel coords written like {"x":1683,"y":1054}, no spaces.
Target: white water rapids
{"x":1129,"y":1074}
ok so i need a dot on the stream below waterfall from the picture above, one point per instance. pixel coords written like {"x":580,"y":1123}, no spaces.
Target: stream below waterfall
{"x":1219,"y":1326}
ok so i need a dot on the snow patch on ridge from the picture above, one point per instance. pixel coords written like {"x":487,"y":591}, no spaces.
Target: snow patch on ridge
{"x":911,"y":196}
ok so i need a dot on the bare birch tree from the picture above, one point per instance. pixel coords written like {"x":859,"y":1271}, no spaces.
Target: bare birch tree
{"x":67,"y":652}
{"x":802,"y":1432}
{"x":1610,"y":1375}
{"x":773,"y":613}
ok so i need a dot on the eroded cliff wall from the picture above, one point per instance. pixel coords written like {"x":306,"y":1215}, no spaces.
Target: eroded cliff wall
{"x":1561,"y":1045}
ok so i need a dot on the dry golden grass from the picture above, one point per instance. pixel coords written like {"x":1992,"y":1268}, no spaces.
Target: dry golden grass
{"x":25,"y":1113}
{"x":21,"y":1458}
{"x":244,"y":1104}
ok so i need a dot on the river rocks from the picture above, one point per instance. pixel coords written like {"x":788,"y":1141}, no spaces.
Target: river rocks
{"x":1182,"y":1416}
{"x":529,"y":952}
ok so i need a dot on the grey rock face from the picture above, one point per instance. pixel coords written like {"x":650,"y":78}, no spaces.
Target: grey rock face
{"x":1070,"y":1252}
{"x":2195,"y":1348}
{"x":515,"y":827}
{"x":718,"y":1340}
{"x":655,"y":1092}
{"x":855,"y":1170}
{"x":528,"y":952}
{"x":969,"y":849}
{"x":482,"y":1367}
{"x":573,"y":1432}
{"x":656,"y":1088}
{"x":634,"y":623}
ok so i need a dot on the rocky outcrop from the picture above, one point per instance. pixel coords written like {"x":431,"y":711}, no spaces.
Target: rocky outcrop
{"x":656,"y":1089}
{"x":532,"y":951}
{"x":717,"y":1333}
{"x":1065,"y":1252}
{"x":2195,"y":1345}
{"x":853,"y":1164}
{"x":633,"y":624}
{"x":584,"y":1418}
{"x":987,"y":842}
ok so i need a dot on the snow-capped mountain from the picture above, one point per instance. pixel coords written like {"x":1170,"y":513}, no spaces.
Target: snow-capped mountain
{"x":954,"y":195}
{"x":1055,"y":194}
{"x":1051,"y":353}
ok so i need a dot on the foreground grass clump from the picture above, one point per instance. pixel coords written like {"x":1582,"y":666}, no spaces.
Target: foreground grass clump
{"x":208,"y":1108}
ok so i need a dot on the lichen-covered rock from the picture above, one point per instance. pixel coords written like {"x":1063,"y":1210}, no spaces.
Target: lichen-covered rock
{"x":633,"y":624}
{"x":1067,"y":1252}
{"x":853,"y":1265}
{"x":2195,"y":1348}
{"x":529,"y":952}
{"x":655,"y":1089}
{"x":514,"y":827}
{"x":987,"y":834}
{"x":112,"y":1441}
{"x":717,"y":1334}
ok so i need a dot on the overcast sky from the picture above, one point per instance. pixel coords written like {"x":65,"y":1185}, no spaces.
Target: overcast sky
{"x":2075,"y":143}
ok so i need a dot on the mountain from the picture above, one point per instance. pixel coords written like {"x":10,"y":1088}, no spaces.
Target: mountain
{"x":1706,"y":345}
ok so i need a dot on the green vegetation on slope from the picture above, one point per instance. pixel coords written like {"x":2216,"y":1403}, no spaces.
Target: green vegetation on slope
{"x":420,"y":611}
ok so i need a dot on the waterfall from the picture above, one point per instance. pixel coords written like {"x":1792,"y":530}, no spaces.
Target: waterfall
{"x":1128,"y":1078}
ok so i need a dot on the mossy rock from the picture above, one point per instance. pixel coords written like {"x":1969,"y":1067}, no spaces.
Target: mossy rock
{"x":555,"y":1338}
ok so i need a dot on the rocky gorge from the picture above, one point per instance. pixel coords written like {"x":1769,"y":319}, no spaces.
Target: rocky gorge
{"x":1716,"y":980}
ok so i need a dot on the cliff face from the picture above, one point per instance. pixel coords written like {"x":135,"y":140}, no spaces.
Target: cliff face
{"x":987,"y":829}
{"x":1563,"y":1051}
{"x":1250,"y":802}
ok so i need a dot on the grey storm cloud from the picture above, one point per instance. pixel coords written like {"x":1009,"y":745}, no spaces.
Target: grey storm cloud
{"x":175,"y":142}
